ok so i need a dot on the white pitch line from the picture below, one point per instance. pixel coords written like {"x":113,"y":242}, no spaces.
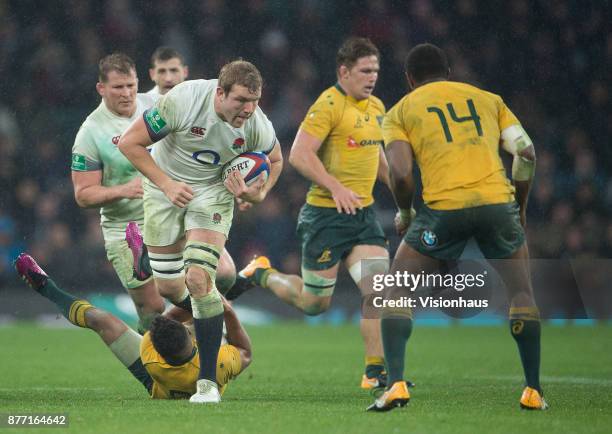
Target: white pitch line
{"x":553,"y":379}
{"x":45,"y":389}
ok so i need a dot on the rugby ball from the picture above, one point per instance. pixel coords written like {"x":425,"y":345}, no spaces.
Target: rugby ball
{"x":250,"y":165}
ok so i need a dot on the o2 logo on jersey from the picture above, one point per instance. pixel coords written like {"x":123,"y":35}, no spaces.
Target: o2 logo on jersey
{"x":206,"y":157}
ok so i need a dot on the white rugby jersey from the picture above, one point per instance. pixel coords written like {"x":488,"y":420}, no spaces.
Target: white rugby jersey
{"x":154,"y":93}
{"x":95,"y":148}
{"x":194,"y":142}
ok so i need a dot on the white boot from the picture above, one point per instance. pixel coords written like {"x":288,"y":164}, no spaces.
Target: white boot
{"x":206,"y":393}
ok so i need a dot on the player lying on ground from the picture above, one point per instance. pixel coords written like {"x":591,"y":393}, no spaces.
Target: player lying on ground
{"x":165,"y":360}
{"x":453,"y":131}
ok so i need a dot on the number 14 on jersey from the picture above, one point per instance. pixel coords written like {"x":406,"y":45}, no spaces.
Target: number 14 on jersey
{"x":453,"y":115}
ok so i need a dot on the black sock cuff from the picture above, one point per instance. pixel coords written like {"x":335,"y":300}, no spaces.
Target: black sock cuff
{"x":185,"y":304}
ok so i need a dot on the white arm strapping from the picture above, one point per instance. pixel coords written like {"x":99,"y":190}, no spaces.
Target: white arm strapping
{"x":514,"y":141}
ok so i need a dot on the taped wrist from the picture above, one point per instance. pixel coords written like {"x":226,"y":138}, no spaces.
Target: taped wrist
{"x":515,"y":140}
{"x":522,"y":169}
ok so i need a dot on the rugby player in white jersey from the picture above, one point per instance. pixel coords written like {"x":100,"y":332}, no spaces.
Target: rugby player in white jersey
{"x":103,"y":178}
{"x":198,"y":127}
{"x":168,"y":68}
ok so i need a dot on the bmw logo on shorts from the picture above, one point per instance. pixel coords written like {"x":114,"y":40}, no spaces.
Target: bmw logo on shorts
{"x":428,"y":238}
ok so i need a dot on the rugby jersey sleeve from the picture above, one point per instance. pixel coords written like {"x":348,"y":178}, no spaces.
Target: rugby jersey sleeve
{"x":392,"y":125}
{"x":506,"y":117}
{"x":319,"y":120}
{"x":85,"y":155}
{"x":170,"y":113}
{"x":263,"y":135}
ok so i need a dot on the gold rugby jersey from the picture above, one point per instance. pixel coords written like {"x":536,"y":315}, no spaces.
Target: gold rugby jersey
{"x":179,"y":382}
{"x":351,"y":134}
{"x":454,"y":130}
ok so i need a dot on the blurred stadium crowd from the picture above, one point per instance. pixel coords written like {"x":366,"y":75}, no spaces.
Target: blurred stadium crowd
{"x":550,"y":60}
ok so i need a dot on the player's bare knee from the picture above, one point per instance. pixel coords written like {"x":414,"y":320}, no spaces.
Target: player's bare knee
{"x":198,"y":281}
{"x":317,"y":307}
{"x":170,"y":288}
{"x":201,"y":262}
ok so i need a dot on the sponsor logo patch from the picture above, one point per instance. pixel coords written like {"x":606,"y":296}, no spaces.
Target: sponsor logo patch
{"x":115,"y":140}
{"x":351,"y":143}
{"x":197,"y":131}
{"x":370,"y":142}
{"x":428,"y":238}
{"x":216,"y":218}
{"x":79,"y":162}
{"x":154,"y":120}
{"x":325,"y":256}
{"x":517,"y":327}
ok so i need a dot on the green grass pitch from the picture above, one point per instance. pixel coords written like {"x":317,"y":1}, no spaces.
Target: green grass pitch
{"x":305,"y":379}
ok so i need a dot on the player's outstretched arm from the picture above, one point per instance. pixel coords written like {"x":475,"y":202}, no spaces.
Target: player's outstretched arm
{"x":399,"y":155}
{"x":304,"y":158}
{"x":516,"y":142}
{"x":90,"y":193}
{"x":133,"y":144}
{"x":236,"y":334}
